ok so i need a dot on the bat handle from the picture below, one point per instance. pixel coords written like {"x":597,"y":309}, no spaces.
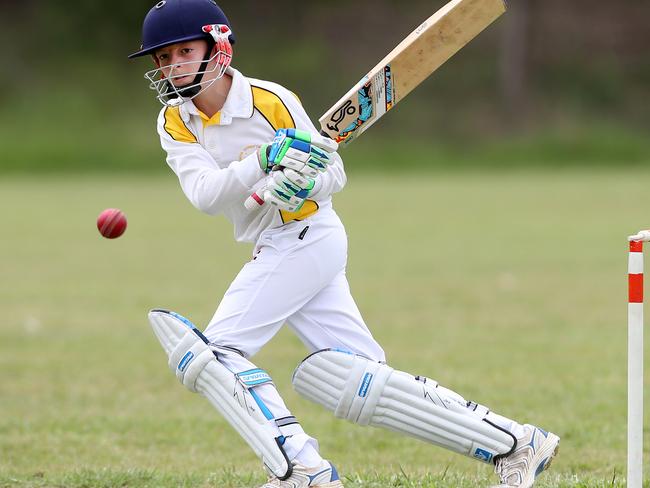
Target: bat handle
{"x":254,"y":201}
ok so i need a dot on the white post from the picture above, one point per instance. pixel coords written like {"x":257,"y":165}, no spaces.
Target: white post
{"x":635,"y":361}
{"x":635,"y":396}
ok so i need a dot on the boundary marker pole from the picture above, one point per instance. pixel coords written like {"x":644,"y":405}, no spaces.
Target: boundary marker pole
{"x":635,"y":360}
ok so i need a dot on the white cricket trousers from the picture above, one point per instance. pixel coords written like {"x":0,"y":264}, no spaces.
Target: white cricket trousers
{"x":297,"y":277}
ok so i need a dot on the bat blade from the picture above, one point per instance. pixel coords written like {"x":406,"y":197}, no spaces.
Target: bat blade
{"x":420,"y":54}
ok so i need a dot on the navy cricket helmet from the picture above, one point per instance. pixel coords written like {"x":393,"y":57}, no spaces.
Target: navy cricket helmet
{"x":172,"y":21}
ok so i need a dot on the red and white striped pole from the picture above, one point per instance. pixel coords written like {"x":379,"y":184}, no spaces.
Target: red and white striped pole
{"x":635,"y":360}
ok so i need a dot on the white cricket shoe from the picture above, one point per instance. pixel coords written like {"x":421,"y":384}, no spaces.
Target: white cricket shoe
{"x":323,"y":476}
{"x":534,"y":453}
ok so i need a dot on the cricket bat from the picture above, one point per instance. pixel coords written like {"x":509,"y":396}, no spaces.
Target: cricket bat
{"x":414,"y":59}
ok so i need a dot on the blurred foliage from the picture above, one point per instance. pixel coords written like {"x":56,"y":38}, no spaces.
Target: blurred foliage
{"x":567,"y":81}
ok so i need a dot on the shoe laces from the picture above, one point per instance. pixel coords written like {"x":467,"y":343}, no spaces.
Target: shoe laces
{"x":512,"y":465}
{"x":499,"y":467}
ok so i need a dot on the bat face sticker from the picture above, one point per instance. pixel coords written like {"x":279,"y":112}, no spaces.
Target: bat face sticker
{"x":365,"y":111}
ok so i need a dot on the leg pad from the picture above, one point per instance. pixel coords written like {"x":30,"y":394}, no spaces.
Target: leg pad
{"x":197,"y":367}
{"x":367,"y":392}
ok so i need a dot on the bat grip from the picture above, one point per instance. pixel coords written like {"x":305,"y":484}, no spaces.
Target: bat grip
{"x":254,"y":201}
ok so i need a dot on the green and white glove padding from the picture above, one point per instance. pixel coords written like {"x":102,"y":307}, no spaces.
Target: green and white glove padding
{"x":288,"y":189}
{"x":301,"y":151}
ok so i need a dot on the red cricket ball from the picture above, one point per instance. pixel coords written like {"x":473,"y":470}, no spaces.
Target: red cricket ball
{"x":111,"y":223}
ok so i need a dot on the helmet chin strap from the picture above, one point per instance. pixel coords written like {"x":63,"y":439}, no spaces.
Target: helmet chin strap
{"x":194,"y":85}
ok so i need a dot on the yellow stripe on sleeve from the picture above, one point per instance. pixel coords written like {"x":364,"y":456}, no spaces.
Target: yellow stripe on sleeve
{"x":176,"y":128}
{"x":272,"y":109}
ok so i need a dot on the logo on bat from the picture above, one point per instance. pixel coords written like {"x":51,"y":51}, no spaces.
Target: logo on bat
{"x":364,"y":97}
{"x":340,"y":114}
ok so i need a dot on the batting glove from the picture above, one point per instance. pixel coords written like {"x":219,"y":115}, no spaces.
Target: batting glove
{"x":305,"y":153}
{"x":288,"y":189}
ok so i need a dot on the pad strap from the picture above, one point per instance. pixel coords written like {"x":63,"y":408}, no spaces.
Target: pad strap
{"x":289,"y":426}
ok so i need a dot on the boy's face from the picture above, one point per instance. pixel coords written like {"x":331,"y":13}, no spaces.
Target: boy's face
{"x":170,"y":60}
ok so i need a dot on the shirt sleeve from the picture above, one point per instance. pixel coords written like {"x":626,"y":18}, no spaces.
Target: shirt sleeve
{"x":209,"y":188}
{"x":334,"y":179}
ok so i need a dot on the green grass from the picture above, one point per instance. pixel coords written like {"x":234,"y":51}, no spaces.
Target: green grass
{"x":508,"y":287}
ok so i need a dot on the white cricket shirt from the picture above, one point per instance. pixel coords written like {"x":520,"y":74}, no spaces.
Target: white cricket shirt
{"x":216,"y":160}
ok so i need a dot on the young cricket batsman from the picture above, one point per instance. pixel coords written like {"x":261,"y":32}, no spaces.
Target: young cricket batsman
{"x":227,"y":137}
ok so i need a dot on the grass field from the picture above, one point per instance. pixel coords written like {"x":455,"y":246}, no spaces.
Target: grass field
{"x":509,"y":288}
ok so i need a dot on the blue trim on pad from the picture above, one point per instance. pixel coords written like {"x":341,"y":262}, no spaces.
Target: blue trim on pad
{"x":265,"y":410}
